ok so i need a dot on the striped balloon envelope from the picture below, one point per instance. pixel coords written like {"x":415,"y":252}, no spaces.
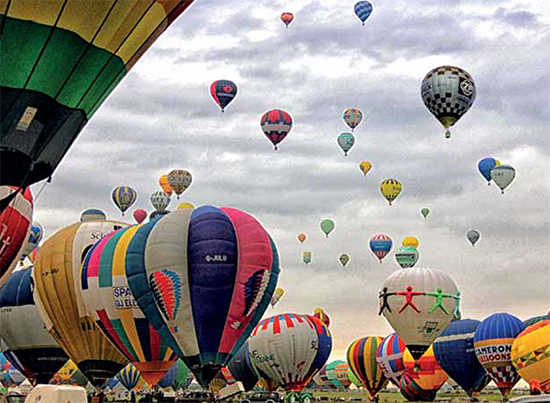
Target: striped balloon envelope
{"x":223,"y":92}
{"x":389,"y":357}
{"x":289,"y":349}
{"x":341,"y":371}
{"x":331,"y":373}
{"x":413,"y":392}
{"x":276,"y":124}
{"x":493,"y":340}
{"x":129,"y":376}
{"x":380,"y":245}
{"x":107,"y":297}
{"x":361,"y":357}
{"x":15,"y":223}
{"x":64,"y":57}
{"x":425,"y":371}
{"x":124,"y":197}
{"x":531,"y":354}
{"x":454,"y":351}
{"x":203,"y":277}
{"x":178,"y":377}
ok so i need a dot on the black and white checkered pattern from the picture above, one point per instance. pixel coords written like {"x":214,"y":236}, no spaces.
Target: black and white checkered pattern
{"x":448,"y":92}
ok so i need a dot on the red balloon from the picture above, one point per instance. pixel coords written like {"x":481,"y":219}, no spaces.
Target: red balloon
{"x":140,"y":215}
{"x":15,"y":222}
{"x":287,"y":18}
{"x":276,"y":124}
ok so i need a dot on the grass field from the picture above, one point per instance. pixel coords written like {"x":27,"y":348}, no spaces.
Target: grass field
{"x":388,"y":397}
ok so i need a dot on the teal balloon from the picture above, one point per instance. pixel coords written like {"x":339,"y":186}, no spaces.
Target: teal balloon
{"x":425,"y":211}
{"x":346,"y":141}
{"x":327,"y":226}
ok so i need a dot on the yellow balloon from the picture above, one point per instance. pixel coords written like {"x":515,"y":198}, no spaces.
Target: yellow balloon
{"x":497,"y":162}
{"x":531,"y":354}
{"x":365,"y":167}
{"x":58,"y":298}
{"x":186,"y":205}
{"x":163,"y":182}
{"x":390,"y":189}
{"x":410,"y":241}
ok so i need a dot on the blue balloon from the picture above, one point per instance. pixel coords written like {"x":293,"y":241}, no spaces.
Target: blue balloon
{"x":454,"y":352}
{"x":128,"y":377}
{"x":241,"y":368}
{"x":362,"y":10}
{"x":485,"y":165}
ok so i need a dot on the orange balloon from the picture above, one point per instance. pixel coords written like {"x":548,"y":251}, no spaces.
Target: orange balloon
{"x":163,"y":182}
{"x":302,"y":237}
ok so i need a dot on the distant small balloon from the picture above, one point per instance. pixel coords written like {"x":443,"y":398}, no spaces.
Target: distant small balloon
{"x":163,"y":182}
{"x":391,"y":189}
{"x":410,"y":241}
{"x":365,"y":167}
{"x":344,"y":259}
{"x":302,"y":237}
{"x":380,"y":245}
{"x":327,"y":226}
{"x":276,"y":124}
{"x":346,"y":141}
{"x":140,"y":215}
{"x":485,"y":165}
{"x":92,"y":214}
{"x":407,"y":257}
{"x":353,"y":117}
{"x":160,"y":200}
{"x":503,"y":175}
{"x":306,"y":257}
{"x":363,"y":10}
{"x":179,"y":180}
{"x":473,"y":236}
{"x":287,"y":18}
{"x":223,"y":92}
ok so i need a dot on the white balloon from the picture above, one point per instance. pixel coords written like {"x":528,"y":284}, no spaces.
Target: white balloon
{"x":503,"y":175}
{"x":419,"y":303}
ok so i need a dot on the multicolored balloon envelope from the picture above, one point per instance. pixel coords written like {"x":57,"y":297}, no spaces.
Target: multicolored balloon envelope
{"x":124,"y":197}
{"x":179,"y":180}
{"x":276,"y":124}
{"x":419,"y":303}
{"x":448,"y":92}
{"x":362,"y":362}
{"x":327,"y":226}
{"x":108,"y":300}
{"x":289,"y":349}
{"x":277,"y":295}
{"x":413,"y":392}
{"x":407,"y":256}
{"x":306,"y":257}
{"x":346,"y":142}
{"x":178,"y":377}
{"x":64,"y":58}
{"x":454,"y":351}
{"x":320,"y":314}
{"x":58,"y":297}
{"x":380,"y":245}
{"x":391,"y":189}
{"x":203,"y":278}
{"x":531,"y":354}
{"x":353,"y":117}
{"x":241,"y":368}
{"x":503,"y":176}
{"x":342,"y":374}
{"x":389,"y":357}
{"x":493,"y":344}
{"x":30,"y":346}
{"x":287,"y":18}
{"x":425,"y":371}
{"x":331,"y":373}
{"x":128,"y":376}
{"x":35,"y":236}
{"x":15,"y":221}
{"x":223,"y":92}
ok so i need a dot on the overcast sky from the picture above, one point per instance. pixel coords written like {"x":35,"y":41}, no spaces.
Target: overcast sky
{"x":162,"y":117}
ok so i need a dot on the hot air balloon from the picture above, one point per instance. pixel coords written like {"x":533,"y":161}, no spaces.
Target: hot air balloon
{"x":287,"y":18}
{"x":320,"y":314}
{"x":531,"y":354}
{"x":179,"y":180}
{"x":165,"y":186}
{"x":277,"y":295}
{"x":503,"y":175}
{"x":124,"y":197}
{"x":172,"y":261}
{"x":63,"y":59}
{"x":389,"y":357}
{"x":390,"y":189}
{"x":353,"y":379}
{"x":485,"y":165}
{"x":344,"y":259}
{"x":59,"y":301}
{"x":223,"y":92}
{"x":365,"y":167}
{"x":419,"y":303}
{"x":108,"y":300}
{"x":363,"y":10}
{"x":454,"y":351}
{"x":493,"y":343}
{"x":353,"y":117}
{"x":346,"y":141}
{"x":178,"y":377}
{"x":241,"y":368}
{"x":35,"y":236}
{"x":425,"y":212}
{"x":276,"y":124}
{"x":535,"y":319}
{"x":424,"y":371}
{"x":302,"y":237}
{"x":448,"y":92}
{"x":289,"y":349}
{"x":306,"y":257}
{"x":341,"y":371}
{"x":186,"y":205}
{"x":321,"y":379}
{"x":473,"y":236}
{"x":15,"y":222}
{"x":380,"y":245}
{"x":410,"y":242}
{"x":29,"y":344}
{"x":407,"y":256}
{"x":128,"y":376}
{"x":327,"y":226}
{"x":361,"y":357}
{"x":331,"y":373}
{"x":160,"y":200}
{"x":140,"y":215}
{"x":92,"y":214}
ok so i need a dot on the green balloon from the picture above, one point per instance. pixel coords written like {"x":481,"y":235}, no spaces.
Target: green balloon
{"x":344,"y":259}
{"x":407,"y":256}
{"x":327,"y":226}
{"x":425,"y":211}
